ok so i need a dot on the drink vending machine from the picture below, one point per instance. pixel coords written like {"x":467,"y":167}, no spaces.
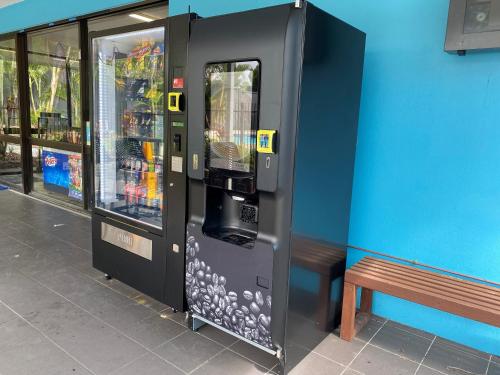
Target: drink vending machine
{"x":273,"y":109}
{"x":139,"y":172}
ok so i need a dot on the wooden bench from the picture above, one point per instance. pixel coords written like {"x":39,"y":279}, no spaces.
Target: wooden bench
{"x":326,"y":260}
{"x":460,"y":297}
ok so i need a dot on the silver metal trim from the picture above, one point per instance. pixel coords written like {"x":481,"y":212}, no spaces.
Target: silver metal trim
{"x":270,"y":351}
{"x":128,"y":241}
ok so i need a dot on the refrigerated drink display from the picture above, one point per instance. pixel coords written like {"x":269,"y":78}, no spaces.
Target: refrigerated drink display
{"x":135,"y":68}
{"x":128,"y":124}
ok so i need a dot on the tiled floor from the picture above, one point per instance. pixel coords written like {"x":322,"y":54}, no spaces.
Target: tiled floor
{"x":60,"y":316}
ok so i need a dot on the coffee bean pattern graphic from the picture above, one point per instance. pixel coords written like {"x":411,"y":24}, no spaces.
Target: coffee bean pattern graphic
{"x":209,"y":294}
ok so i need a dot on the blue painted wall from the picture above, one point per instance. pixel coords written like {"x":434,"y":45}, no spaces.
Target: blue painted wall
{"x":37,"y":12}
{"x":427,"y":180}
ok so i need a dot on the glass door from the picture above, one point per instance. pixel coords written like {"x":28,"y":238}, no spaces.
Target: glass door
{"x":10,"y":140}
{"x":128,"y":119}
{"x":55,"y":134}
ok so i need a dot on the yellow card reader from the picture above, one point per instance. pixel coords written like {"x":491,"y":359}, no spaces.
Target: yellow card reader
{"x":267,"y":141}
{"x":175,"y":102}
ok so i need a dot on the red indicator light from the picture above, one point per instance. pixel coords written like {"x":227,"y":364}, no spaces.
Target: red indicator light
{"x":178,"y":83}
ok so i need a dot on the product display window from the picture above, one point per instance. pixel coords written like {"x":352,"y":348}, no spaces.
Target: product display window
{"x":128,"y":118}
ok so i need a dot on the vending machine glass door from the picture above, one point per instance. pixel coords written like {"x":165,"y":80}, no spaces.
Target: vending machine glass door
{"x":231,"y":122}
{"x":129,"y":84}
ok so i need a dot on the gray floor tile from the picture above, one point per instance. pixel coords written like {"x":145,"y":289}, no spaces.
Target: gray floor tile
{"x":454,"y":359}
{"x":305,"y":331}
{"x":154,"y":331}
{"x":402,"y":342}
{"x":370,"y":329}
{"x":99,"y":347}
{"x":24,"y":295}
{"x":317,"y":365}
{"x":87,"y":269}
{"x":33,"y":261}
{"x":373,"y":360}
{"x":223,"y":338}
{"x":229,"y":362}
{"x":415,"y":331}
{"x":427,"y":371}
{"x":6,"y":314}
{"x":255,"y":354}
{"x":10,"y":247}
{"x":150,"y":303}
{"x":295,"y":353}
{"x":24,"y":351}
{"x":178,"y":317}
{"x":494,"y":369}
{"x":350,"y":371}
{"x":113,"y":308}
{"x":118,"y":286}
{"x":148,"y":364}
{"x":68,"y":282}
{"x":463,"y":348}
{"x":188,"y":351}
{"x":339,"y":350}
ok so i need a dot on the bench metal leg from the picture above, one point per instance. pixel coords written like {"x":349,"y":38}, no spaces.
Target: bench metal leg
{"x":347,"y":329}
{"x":366,"y":301}
{"x":325,"y":289}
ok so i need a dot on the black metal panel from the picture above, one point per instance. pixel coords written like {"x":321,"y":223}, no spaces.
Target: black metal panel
{"x":255,"y":35}
{"x":24,"y":110}
{"x":142,"y":274}
{"x":176,"y":184}
{"x":85,"y":110}
{"x":324,"y":168}
{"x":274,"y":37}
{"x":311,"y":80}
{"x":473,"y":25}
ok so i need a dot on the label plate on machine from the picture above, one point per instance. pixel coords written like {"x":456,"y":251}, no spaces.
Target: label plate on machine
{"x":176,"y":164}
{"x":127,"y":241}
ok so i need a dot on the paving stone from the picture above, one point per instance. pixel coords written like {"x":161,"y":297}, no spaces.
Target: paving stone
{"x":401,"y":342}
{"x":455,"y":359}
{"x":376,"y":361}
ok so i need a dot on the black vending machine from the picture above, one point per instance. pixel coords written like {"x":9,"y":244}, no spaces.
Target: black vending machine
{"x":273,"y":110}
{"x":139,"y":126}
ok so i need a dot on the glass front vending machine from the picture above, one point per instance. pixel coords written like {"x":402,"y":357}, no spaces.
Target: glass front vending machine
{"x":139,"y":144}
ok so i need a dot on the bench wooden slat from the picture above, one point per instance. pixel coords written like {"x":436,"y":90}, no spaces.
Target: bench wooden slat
{"x":424,"y":298}
{"x":453,"y":280}
{"x":460,"y":297}
{"x":449,"y":281}
{"x":426,"y":286}
{"x":439,"y":283}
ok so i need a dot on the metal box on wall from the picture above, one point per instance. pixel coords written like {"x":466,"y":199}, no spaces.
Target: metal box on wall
{"x":473,"y":25}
